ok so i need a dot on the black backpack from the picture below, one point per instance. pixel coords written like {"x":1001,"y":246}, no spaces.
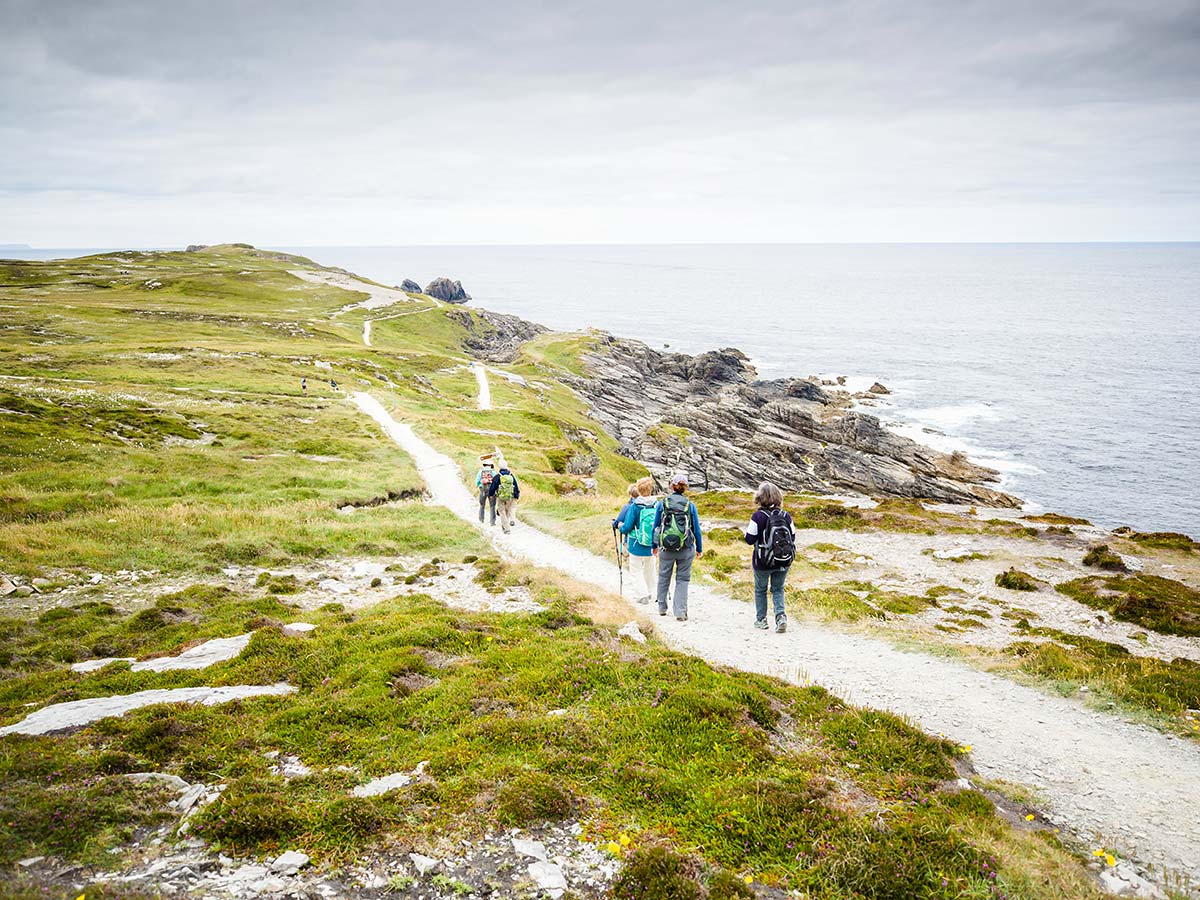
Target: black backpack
{"x":675,"y":530}
{"x":776,"y":547}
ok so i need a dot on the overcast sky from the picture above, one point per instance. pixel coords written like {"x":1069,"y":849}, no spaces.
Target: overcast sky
{"x":165,"y":122}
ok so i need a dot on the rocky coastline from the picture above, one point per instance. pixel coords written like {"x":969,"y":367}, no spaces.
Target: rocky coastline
{"x":711,"y":415}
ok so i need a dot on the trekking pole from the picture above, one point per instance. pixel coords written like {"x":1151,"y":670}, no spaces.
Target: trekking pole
{"x":620,"y":568}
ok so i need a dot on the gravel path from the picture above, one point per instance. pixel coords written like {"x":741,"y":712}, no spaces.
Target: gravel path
{"x":1106,"y":780}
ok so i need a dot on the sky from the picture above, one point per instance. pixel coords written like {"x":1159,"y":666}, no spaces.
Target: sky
{"x":366,"y":122}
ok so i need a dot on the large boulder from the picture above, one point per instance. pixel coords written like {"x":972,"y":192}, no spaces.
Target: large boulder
{"x":447,"y":291}
{"x":411,"y":286}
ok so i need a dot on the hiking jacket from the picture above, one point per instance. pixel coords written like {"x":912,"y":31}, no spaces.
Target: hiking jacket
{"x":629,"y":522}
{"x":697,"y":538}
{"x":479,"y":478}
{"x":494,"y":489}
{"x":759,"y":522}
{"x":621,"y":515}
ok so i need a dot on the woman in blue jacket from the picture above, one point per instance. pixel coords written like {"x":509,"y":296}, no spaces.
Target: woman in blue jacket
{"x":637,"y":524}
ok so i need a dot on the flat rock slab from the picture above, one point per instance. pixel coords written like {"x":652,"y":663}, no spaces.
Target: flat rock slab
{"x":199,"y":657}
{"x":295,"y":629}
{"x":548,"y":877}
{"x":77,"y":713}
{"x":630,"y":630}
{"x":389,"y":782}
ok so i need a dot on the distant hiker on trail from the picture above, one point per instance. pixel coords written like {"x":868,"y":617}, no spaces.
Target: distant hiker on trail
{"x":483,"y":481}
{"x":623,"y":556}
{"x":677,"y":542}
{"x":773,"y":537}
{"x":638,"y":525}
{"x":304,"y":385}
{"x":333,"y":384}
{"x":507,"y":492}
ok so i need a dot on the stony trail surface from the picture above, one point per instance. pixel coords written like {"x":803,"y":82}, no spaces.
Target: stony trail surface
{"x":1104,"y":779}
{"x":485,"y":389}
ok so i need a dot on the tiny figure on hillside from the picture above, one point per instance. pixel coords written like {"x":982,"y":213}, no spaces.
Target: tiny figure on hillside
{"x":304,"y":386}
{"x":333,"y":384}
{"x":507,"y":492}
{"x":773,"y":536}
{"x":677,"y":543}
{"x":637,"y":524}
{"x":483,"y":483}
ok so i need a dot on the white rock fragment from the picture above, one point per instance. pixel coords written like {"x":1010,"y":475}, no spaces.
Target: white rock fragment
{"x":387,"y":783}
{"x":366,"y":569}
{"x":289,"y":862}
{"x":30,"y":861}
{"x":199,"y":657}
{"x":77,"y":713}
{"x":334,"y":586}
{"x":630,"y":630}
{"x":92,"y":665}
{"x":533,"y":849}
{"x":170,"y":780}
{"x":548,"y":877}
{"x":423,"y":864}
{"x":295,"y":629}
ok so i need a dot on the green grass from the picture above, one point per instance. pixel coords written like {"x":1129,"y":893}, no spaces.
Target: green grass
{"x":1016,"y":580}
{"x":1170,"y":688}
{"x":1160,"y":604}
{"x":652,"y":742}
{"x":1101,"y":557}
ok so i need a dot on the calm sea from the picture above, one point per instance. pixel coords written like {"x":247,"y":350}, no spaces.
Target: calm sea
{"x":1072,"y":368}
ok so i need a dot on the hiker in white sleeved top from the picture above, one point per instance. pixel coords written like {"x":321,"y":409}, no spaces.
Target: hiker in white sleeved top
{"x":483,"y":483}
{"x":773,"y":536}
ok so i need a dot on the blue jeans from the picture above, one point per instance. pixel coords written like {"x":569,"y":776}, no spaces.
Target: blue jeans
{"x":774,"y":578}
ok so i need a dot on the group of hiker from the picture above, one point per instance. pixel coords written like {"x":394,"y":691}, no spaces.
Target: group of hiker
{"x":498,"y":490}
{"x":663,"y":538}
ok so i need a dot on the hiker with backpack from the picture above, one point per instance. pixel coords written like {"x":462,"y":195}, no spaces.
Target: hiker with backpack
{"x":677,"y":542}
{"x":622,"y":553}
{"x":483,"y":482}
{"x":637,"y":524}
{"x":773,"y":536}
{"x":507,"y":492}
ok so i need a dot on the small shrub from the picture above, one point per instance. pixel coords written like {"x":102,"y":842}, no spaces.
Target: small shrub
{"x":657,"y":874}
{"x":724,"y":885}
{"x":353,"y":818}
{"x":531,"y":797}
{"x":1016,"y":580}
{"x":1166,"y":540}
{"x":1101,"y":557}
{"x":278,"y":584}
{"x":1160,"y":604}
{"x":249,"y":820}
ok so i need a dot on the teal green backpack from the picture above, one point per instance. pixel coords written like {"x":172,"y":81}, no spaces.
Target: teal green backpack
{"x":644,"y":530}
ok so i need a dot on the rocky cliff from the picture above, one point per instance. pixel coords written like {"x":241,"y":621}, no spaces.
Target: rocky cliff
{"x":447,"y":290}
{"x":710,"y":415}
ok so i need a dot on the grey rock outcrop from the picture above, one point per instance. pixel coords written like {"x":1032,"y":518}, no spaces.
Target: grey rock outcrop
{"x":447,"y":291}
{"x":710,"y":415}
{"x":411,"y":286}
{"x":494,"y":337}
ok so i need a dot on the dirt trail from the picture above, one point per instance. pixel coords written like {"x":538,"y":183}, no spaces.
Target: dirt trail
{"x":378,"y":297}
{"x":1106,"y":780}
{"x":485,"y":390}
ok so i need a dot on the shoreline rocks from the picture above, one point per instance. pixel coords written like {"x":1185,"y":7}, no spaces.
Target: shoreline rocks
{"x":447,"y":291}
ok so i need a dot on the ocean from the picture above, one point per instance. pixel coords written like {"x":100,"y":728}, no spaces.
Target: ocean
{"x":1073,"y":369}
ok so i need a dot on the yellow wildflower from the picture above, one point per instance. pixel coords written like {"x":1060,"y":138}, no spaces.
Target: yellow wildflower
{"x":1099,"y":851}
{"x":624,"y":840}
{"x":749,"y":879}
{"x":1029,"y":817}
{"x":614,"y":848}
{"x":1110,"y":859}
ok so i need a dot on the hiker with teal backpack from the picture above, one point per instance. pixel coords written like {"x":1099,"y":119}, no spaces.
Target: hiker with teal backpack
{"x":507,"y":492}
{"x":773,"y":537}
{"x":623,"y":552}
{"x":637,"y":525}
{"x":677,"y":542}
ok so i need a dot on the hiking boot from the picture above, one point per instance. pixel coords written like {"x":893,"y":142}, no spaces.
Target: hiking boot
{"x":680,"y":618}
{"x":760,"y":623}
{"x":780,"y":624}
{"x":662,"y":610}
{"x":644,"y":600}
